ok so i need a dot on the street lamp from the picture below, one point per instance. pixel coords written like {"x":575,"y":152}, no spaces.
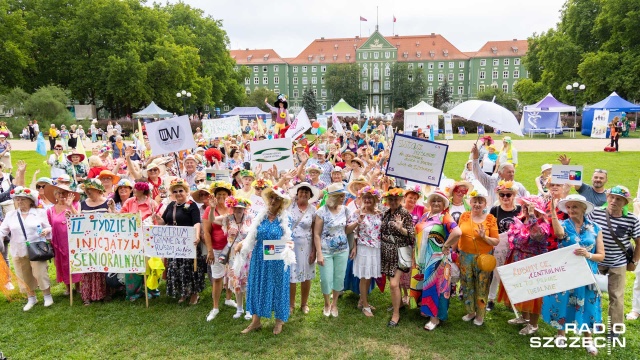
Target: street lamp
{"x":575,"y":87}
{"x":184,"y":95}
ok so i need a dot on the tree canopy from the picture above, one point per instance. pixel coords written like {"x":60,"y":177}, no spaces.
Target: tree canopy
{"x":343,"y":82}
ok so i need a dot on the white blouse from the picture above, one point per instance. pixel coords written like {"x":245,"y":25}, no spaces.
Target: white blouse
{"x":11,"y":225}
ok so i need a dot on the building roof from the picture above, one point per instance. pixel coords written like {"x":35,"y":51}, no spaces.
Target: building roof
{"x":330,"y":51}
{"x":513,"y":47}
{"x":256,"y":56}
{"x":432,"y":47}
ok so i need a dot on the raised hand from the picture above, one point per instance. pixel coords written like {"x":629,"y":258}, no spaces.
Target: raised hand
{"x":475,"y":152}
{"x":22,"y":165}
{"x":564,"y":160}
{"x":397,"y":221}
{"x":213,"y":202}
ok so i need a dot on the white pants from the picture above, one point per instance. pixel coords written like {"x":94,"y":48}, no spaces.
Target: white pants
{"x":636,"y":292}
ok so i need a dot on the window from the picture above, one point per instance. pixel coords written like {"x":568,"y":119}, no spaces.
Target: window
{"x":440,"y":77}
{"x":365,"y":85}
{"x":505,"y":61}
{"x":505,"y":87}
{"x":483,"y":75}
{"x":451,"y":64}
{"x":420,"y":66}
{"x":481,"y":88}
{"x":314,"y":69}
{"x":276,"y":80}
{"x":494,"y":85}
{"x":322,"y":80}
{"x":265,"y":69}
{"x":276,"y":90}
{"x":376,"y":73}
{"x":516,"y":74}
{"x":265,"y":80}
{"x":410,"y":77}
{"x":247,"y":81}
{"x":365,"y":55}
{"x":387,"y":71}
{"x":460,"y":90}
{"x":494,"y":74}
{"x":461,"y":64}
{"x":386,"y":99}
{"x":450,"y":89}
{"x":275,"y":68}
{"x":430,"y":65}
{"x":323,"y":92}
{"x":516,"y":61}
{"x":248,"y":91}
{"x":323,"y":68}
{"x":387,"y":85}
{"x":376,"y":87}
{"x":304,"y":69}
{"x":410,"y":66}
{"x":295,"y":93}
{"x":376,"y":99}
{"x":496,"y":62}
{"x":483,"y":62}
{"x":256,"y":80}
{"x":430,"y":77}
{"x":305,"y":81}
{"x":505,"y":74}
{"x":324,"y":106}
{"x":314,"y":80}
{"x":295,"y":81}
{"x":387,"y":54}
{"x":430,"y":90}
{"x":315,"y":92}
{"x":450,"y":77}
{"x":365,"y":72}
{"x":440,"y":65}
{"x":226,"y":108}
{"x":295,"y":69}
{"x":461,"y":77}
{"x":376,"y":55}
{"x":256,"y":69}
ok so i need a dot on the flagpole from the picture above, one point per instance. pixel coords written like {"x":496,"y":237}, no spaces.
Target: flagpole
{"x":360,"y":21}
{"x":393,"y":26}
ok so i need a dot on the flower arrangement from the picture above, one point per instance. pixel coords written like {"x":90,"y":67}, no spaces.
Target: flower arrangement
{"x":474,"y":193}
{"x":224,"y":185}
{"x":93,"y":184}
{"x":394,"y":192}
{"x":370,"y":190}
{"x":506,"y":186}
{"x":247,"y":173}
{"x":261,"y":183}
{"x":237,"y":202}
{"x":620,"y":191}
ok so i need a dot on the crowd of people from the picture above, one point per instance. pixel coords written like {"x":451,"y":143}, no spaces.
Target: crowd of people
{"x":340,"y":214}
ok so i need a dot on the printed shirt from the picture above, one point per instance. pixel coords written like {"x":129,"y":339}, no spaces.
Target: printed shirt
{"x":368,"y":231}
{"x":333,"y":236}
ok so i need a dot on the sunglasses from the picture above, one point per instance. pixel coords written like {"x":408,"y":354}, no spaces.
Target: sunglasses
{"x":57,"y":148}
{"x":38,"y":187}
{"x":200,"y":181}
{"x":507,"y":195}
{"x":178,"y":191}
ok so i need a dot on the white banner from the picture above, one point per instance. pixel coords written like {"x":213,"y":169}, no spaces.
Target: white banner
{"x":170,"y":135}
{"x":221,"y":127}
{"x":170,"y":242}
{"x":546,"y":274}
{"x":566,"y":174}
{"x":272,"y":152}
{"x":335,"y":123}
{"x":448,"y":129}
{"x":257,"y":205}
{"x":299,"y":126}
{"x":416,"y":159}
{"x":600,"y":124}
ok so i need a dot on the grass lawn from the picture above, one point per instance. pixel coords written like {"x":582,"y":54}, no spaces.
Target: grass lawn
{"x":122,"y":329}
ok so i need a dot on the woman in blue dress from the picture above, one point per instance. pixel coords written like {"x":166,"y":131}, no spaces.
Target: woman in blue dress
{"x":580,"y":306}
{"x":268,"y":282}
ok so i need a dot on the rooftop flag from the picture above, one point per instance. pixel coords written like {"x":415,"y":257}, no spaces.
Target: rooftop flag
{"x":394,"y":18}
{"x":362,"y":19}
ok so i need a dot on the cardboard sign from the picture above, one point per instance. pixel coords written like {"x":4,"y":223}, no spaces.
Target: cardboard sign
{"x":170,"y":135}
{"x":417,"y":160}
{"x":546,"y":274}
{"x":272,"y":249}
{"x":170,"y":242}
{"x":480,"y":130}
{"x":448,"y":128}
{"x":257,"y":205}
{"x":299,"y":125}
{"x":221,"y":127}
{"x":217,"y":175}
{"x":103,"y":243}
{"x":272,"y":152}
{"x":501,"y":251}
{"x":566,"y":174}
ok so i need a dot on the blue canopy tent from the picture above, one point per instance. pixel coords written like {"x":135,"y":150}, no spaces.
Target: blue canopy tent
{"x":247,"y":113}
{"x":614,"y":103}
{"x":544,"y":116}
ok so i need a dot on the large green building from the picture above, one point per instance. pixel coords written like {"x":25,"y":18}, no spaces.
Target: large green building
{"x":496,"y":64}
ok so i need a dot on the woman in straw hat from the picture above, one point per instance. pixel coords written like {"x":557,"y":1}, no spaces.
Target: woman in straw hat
{"x":76,"y":169}
{"x":479,"y":236}
{"x":39,"y":186}
{"x":581,"y":306}
{"x":65,"y":202}
{"x":182,"y":279}
{"x":302,"y":216}
{"x":268,"y":282}
{"x":108,"y":180}
{"x":396,"y":231}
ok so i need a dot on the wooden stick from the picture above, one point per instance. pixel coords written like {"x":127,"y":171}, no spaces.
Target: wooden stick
{"x":70,"y":286}
{"x":146,"y":292}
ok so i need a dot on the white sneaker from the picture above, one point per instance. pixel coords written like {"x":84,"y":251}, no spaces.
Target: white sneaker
{"x":212,"y":314}
{"x":231,"y":303}
{"x":238,"y":314}
{"x":48,"y":301}
{"x":30,"y":304}
{"x":248,"y":316}
{"x":9,"y":286}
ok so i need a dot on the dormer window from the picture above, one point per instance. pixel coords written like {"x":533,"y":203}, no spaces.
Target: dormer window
{"x":418,"y":54}
{"x":445,"y":53}
{"x":514,"y":49}
{"x":494,"y":49}
{"x":310,"y":57}
{"x":249,"y":57}
{"x":417,"y":43}
{"x":348,"y":56}
{"x":322,"y":57}
{"x":432,"y":53}
{"x":266,"y":57}
{"x":405,"y":54}
{"x":335,"y":57}
{"x":335,"y":46}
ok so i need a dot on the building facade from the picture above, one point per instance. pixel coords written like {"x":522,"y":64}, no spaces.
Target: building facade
{"x":497,"y":64}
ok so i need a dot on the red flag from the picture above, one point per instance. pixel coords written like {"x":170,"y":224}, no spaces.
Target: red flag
{"x":394,"y":18}
{"x":362,"y":19}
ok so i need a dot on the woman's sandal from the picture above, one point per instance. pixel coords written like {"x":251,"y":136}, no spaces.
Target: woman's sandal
{"x":278,"y":328}
{"x":367,"y":311}
{"x":251,"y":327}
{"x":430,"y":326}
{"x":196,"y":302}
{"x":305,"y":309}
{"x":86,"y":303}
{"x":633,"y":316}
{"x":392,"y":323}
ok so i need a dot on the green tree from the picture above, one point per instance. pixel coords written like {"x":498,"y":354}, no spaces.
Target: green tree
{"x":442,"y":96}
{"x":256,"y":98}
{"x":578,"y":20}
{"x":418,"y":85}
{"x":401,"y":85}
{"x":15,"y":52}
{"x":15,"y":100}
{"x":501,"y":98}
{"x":343,"y":82}
{"x":309,"y":103}
{"x":47,"y":103}
{"x":529,"y":92}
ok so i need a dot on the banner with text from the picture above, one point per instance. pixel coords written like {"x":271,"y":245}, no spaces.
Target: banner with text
{"x":217,"y":175}
{"x":257,"y":205}
{"x":299,"y":125}
{"x":417,"y":160}
{"x":546,"y":274}
{"x":600,"y":124}
{"x":105,"y":243}
{"x":448,"y":128}
{"x":170,"y":135}
{"x":221,"y":127}
{"x":272,"y":152}
{"x":566,"y":174}
{"x":170,"y":242}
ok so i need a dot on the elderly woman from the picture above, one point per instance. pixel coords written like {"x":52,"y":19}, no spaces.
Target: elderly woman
{"x":267,"y":289}
{"x":528,"y":235}
{"x":302,"y":218}
{"x":479,"y":236}
{"x":234,"y":159}
{"x":411,"y":197}
{"x":66,"y":202}
{"x":489,"y":159}
{"x":95,"y":166}
{"x":108,"y":180}
{"x":76,"y":169}
{"x":124,"y":191}
{"x":27,"y":224}
{"x":556,"y":192}
{"x":436,"y":233}
{"x":330,"y":237}
{"x":57,"y":161}
{"x":235,"y":226}
{"x":216,"y":239}
{"x":313,"y":176}
{"x":182,"y":279}
{"x":105,"y":156}
{"x":366,"y":253}
{"x":396,"y":231}
{"x":580,"y":306}
{"x":94,"y":286}
{"x":73,"y":137}
{"x":458,"y":202}
{"x":39,"y":185}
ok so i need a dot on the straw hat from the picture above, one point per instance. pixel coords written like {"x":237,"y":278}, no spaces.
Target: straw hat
{"x":107,"y":173}
{"x":315,"y":192}
{"x":153,"y":165}
{"x":313,"y":167}
{"x":358,"y":160}
{"x":441,"y":195}
{"x":394,"y":192}
{"x":562,"y":204}
{"x":199,"y":193}
{"x":480,"y":193}
{"x":351,"y":187}
{"x":222,"y":185}
{"x":93,"y":184}
{"x":348,"y":153}
{"x":20,"y":191}
{"x":82,"y":156}
{"x":234,"y":202}
{"x":335,"y":188}
{"x":49,"y":192}
{"x":44,"y":180}
{"x":278,"y":191}
{"x":179,"y":183}
{"x":124,"y":183}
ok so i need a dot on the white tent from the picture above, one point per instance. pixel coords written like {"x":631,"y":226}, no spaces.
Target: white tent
{"x":420,"y":116}
{"x":152,"y":111}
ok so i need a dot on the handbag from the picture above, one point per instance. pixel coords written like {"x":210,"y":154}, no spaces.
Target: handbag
{"x":37,"y":250}
{"x":602,"y":282}
{"x":226,"y":251}
{"x":404,"y":256}
{"x":628,"y":252}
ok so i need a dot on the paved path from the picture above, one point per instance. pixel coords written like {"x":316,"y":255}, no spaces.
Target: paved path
{"x":523,"y":145}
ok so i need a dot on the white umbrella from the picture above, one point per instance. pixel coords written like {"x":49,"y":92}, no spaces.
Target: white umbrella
{"x":488,"y":113}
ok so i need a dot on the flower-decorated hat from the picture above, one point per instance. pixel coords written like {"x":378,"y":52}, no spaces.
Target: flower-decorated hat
{"x":239,"y":202}
{"x":177,"y":182}
{"x":20,"y":191}
{"x":261,"y":183}
{"x":93,"y":184}
{"x":278,"y":191}
{"x":222,"y":185}
{"x":394,"y":192}
{"x":313,"y":167}
{"x":621,"y":191}
{"x":506,"y":186}
{"x":247,"y":173}
{"x":371,"y":191}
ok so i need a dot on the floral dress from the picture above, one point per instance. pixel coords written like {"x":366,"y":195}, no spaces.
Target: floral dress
{"x":366,"y":264}
{"x":581,"y":305}
{"x":237,"y":282}
{"x":302,"y":271}
{"x":79,"y":170}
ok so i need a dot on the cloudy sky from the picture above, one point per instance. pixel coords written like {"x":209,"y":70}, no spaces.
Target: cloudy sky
{"x":289,"y":26}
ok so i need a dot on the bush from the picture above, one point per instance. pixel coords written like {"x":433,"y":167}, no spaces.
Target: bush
{"x":398,"y":119}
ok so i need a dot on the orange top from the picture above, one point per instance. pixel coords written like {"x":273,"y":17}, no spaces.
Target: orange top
{"x":613,"y":129}
{"x":468,"y":228}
